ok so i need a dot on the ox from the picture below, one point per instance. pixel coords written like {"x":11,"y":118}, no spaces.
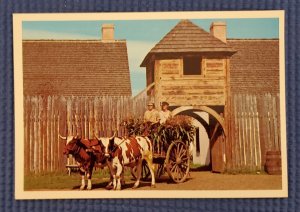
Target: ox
{"x":128,"y":152}
{"x":86,"y":153}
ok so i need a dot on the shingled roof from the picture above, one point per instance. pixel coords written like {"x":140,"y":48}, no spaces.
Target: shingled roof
{"x":255,"y":66}
{"x":188,"y":37}
{"x":76,"y":67}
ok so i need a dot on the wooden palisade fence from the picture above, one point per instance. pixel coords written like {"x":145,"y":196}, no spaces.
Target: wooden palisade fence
{"x":47,"y":116}
{"x":254,"y":129}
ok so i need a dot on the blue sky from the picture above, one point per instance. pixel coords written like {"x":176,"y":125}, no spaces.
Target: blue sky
{"x":142,"y":35}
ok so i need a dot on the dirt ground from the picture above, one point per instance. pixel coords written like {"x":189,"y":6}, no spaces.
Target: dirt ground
{"x":206,"y":180}
{"x":198,"y":180}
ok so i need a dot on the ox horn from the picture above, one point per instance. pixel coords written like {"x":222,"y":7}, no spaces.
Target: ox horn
{"x":115,"y":133}
{"x":77,"y":136}
{"x":62,"y":137}
{"x":98,"y":138}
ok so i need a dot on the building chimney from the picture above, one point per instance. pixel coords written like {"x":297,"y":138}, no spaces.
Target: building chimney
{"x":108,"y":32}
{"x":218,"y":29}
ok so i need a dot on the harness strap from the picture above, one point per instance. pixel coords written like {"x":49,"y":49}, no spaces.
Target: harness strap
{"x":118,"y":145}
{"x":78,"y":149}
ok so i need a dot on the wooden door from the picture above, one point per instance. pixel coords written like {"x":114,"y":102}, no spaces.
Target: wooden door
{"x":217,"y":153}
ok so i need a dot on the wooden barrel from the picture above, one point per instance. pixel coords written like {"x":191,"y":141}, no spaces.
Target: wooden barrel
{"x":273,"y":162}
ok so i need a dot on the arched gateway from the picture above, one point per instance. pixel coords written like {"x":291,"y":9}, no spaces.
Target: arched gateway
{"x":210,"y":111}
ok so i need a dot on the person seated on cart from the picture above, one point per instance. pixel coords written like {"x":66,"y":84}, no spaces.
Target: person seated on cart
{"x":165,"y":113}
{"x":151,"y":119}
{"x":151,"y":115}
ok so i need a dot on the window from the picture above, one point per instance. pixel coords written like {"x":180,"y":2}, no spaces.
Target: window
{"x":192,"y":65}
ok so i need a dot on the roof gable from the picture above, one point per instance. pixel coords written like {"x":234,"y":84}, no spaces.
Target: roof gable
{"x":76,"y":67}
{"x":255,"y":66}
{"x":188,"y":37}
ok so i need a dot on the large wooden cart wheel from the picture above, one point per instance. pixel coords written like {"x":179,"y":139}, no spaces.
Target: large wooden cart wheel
{"x":145,"y":171}
{"x":178,"y":161}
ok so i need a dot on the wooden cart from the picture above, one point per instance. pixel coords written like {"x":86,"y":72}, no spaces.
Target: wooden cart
{"x":174,"y":159}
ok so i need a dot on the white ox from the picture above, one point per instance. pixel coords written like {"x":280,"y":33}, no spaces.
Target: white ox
{"x":128,"y":152}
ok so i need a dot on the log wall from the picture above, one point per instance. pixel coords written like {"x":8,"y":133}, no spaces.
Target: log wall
{"x":207,"y":88}
{"x":254,"y":129}
{"x":45,"y":117}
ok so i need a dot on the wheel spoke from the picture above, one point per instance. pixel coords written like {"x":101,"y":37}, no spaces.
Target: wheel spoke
{"x":177,"y":149}
{"x":183,"y":153}
{"x":178,"y":173}
{"x":175,"y":173}
{"x":173,"y":168}
{"x":172,"y":162}
{"x":184,"y":158}
{"x":184,"y":161}
{"x":184,"y":165}
{"x":182,"y":150}
{"x":173,"y":152}
{"x":183,"y":168}
{"x":172,"y":158}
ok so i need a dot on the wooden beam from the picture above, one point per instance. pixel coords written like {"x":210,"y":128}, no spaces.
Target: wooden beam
{"x":210,"y":111}
{"x":145,"y":90}
{"x":213,"y":135}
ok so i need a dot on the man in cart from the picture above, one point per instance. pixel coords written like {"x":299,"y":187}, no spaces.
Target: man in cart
{"x":151,"y":115}
{"x":165,"y":113}
{"x":151,"y":119}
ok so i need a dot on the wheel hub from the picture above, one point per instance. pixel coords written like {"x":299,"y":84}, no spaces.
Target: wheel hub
{"x":178,"y":160}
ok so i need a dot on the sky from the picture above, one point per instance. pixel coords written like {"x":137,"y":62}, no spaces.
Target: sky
{"x":142,"y":35}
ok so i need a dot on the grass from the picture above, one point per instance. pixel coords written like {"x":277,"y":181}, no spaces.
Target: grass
{"x":199,"y":167}
{"x":246,"y":171}
{"x":196,"y":166}
{"x":61,"y":180}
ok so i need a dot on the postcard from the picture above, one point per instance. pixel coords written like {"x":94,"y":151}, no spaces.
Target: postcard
{"x":150,"y":105}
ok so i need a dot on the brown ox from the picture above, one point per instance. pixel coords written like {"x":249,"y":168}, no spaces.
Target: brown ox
{"x":127,"y":152}
{"x":86,"y":153}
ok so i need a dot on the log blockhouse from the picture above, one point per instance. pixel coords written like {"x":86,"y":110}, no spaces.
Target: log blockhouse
{"x":192,"y":68}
